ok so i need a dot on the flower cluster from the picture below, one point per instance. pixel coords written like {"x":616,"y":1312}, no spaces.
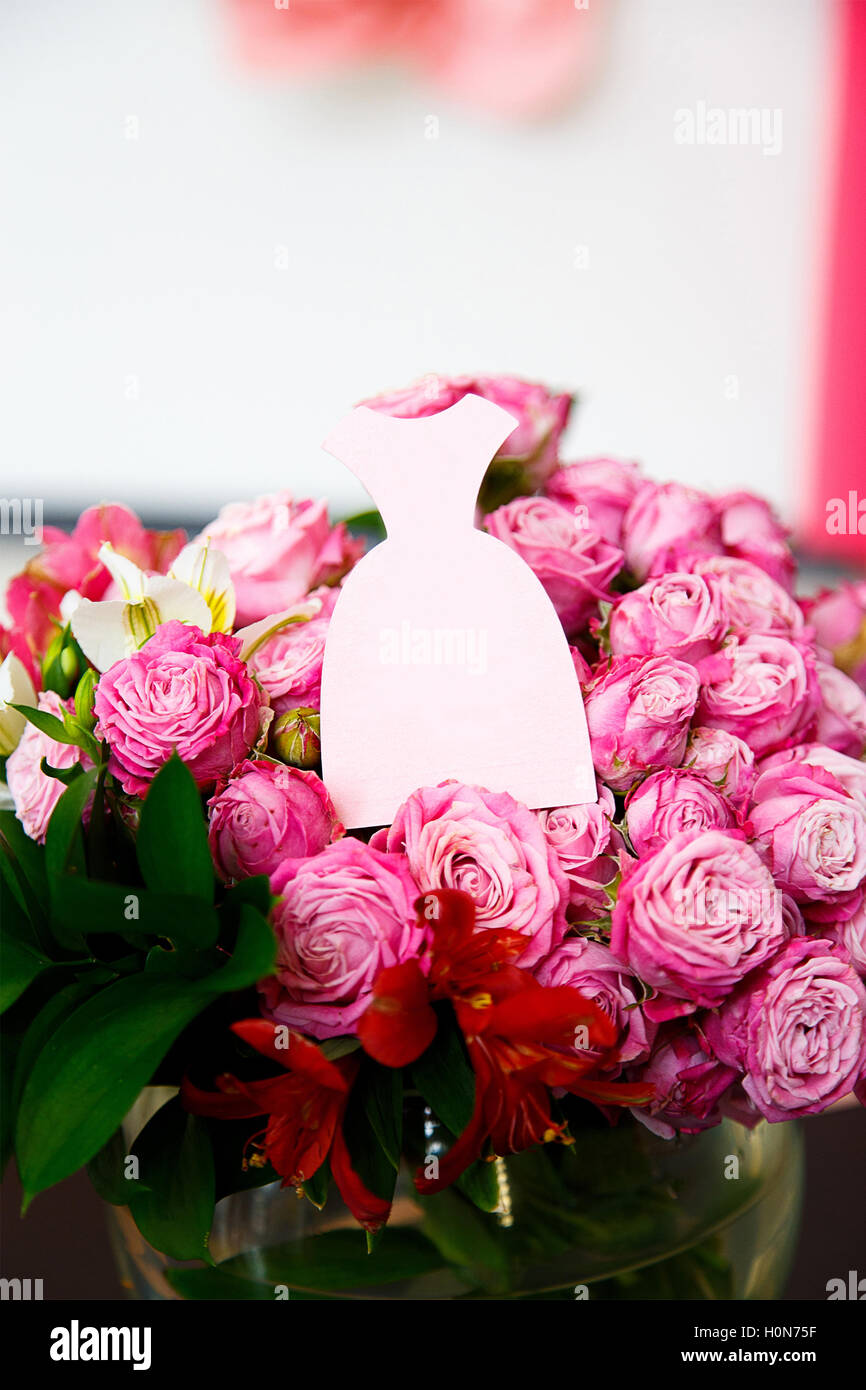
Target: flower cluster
{"x":692,"y":944}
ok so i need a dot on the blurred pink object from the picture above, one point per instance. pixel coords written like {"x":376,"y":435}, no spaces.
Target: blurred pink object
{"x":512,"y":57}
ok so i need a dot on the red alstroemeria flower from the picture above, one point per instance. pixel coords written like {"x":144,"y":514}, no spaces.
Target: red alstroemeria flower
{"x":305,"y":1110}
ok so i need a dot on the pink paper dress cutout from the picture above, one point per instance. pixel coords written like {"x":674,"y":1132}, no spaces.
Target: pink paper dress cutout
{"x":444,"y":656}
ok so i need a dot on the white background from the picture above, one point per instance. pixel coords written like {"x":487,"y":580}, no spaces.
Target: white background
{"x":149,"y":265}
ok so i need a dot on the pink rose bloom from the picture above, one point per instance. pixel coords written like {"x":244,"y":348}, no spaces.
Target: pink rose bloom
{"x":850,"y":772}
{"x":70,"y":562}
{"x":182,"y":692}
{"x":810,"y":831}
{"x":689,"y":1083}
{"x":34,"y":793}
{"x":594,"y":970}
{"x":277,"y":550}
{"x":289,"y":664}
{"x":605,"y":487}
{"x":797,"y":1029}
{"x":841,"y":722}
{"x":587,"y":845}
{"x":752,"y":531}
{"x":764,"y":689}
{"x":494,"y":849}
{"x":725,"y":760}
{"x":675,"y":613}
{"x":574,"y":564}
{"x":695,"y":917}
{"x":529,"y":453}
{"x":839,"y":619}
{"x":666,"y":520}
{"x":638,"y":710}
{"x":850,"y":935}
{"x":669,"y":802}
{"x":343,"y":916}
{"x":748,"y":598}
{"x":267,"y":813}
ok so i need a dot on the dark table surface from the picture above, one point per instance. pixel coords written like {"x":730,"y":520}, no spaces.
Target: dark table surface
{"x":63,"y":1239}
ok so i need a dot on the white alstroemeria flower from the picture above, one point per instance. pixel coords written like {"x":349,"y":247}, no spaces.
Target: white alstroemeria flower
{"x":108,"y":630}
{"x":255,"y":636}
{"x":207,"y":570}
{"x":16,"y":688}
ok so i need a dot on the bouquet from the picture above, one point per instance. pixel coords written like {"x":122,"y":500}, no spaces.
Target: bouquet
{"x":182,"y":906}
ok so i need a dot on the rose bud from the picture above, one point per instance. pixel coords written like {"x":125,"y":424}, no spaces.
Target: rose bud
{"x":295,"y":738}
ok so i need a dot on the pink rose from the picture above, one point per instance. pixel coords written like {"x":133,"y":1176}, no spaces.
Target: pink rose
{"x":841,"y":722}
{"x":493,"y":848}
{"x":675,"y":613}
{"x":277,"y":550}
{"x":34,"y":793}
{"x":762,"y":688}
{"x":749,"y":600}
{"x":289,"y":664}
{"x":182,"y":692}
{"x":596,"y":972}
{"x":587,"y":845}
{"x":605,"y":487}
{"x":665,"y":520}
{"x":666,"y":803}
{"x":797,"y":1029}
{"x":70,"y":562}
{"x":725,"y":760}
{"x":810,"y":831}
{"x":752,"y":531}
{"x":529,"y":453}
{"x":839,"y":619}
{"x":688,"y":1080}
{"x":850,"y":935}
{"x":572,"y":561}
{"x":267,"y":813}
{"x":343,"y":916}
{"x":695,"y":917}
{"x":638,"y":710}
{"x":849,"y":771}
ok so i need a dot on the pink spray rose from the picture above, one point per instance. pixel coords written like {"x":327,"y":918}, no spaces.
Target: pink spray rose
{"x":839,"y":619}
{"x":675,"y":613}
{"x":695,"y":917}
{"x":810,"y":831}
{"x":529,"y":453}
{"x":34,"y":793}
{"x":605,"y":487}
{"x":841,"y":721}
{"x":267,"y":813}
{"x":573,"y":562}
{"x":725,"y":760}
{"x":688,"y":1080}
{"x":749,"y":600}
{"x":762,"y":688}
{"x":277,"y":550}
{"x":851,"y":772}
{"x":289,"y":664}
{"x":664,"y":521}
{"x":492,"y":847}
{"x":638,"y":710}
{"x":752,"y":531}
{"x":587,"y":845}
{"x":797,"y":1029}
{"x":596,"y":972}
{"x":668,"y":802}
{"x":343,"y":916}
{"x":181,"y":692}
{"x":850,"y":934}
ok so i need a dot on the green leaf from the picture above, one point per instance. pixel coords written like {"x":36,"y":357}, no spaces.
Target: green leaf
{"x":22,"y":863}
{"x":107,"y":1172}
{"x":255,"y":891}
{"x":210,"y":1284}
{"x":444,"y":1077}
{"x":47,"y":724}
{"x":381,"y":1090}
{"x":172,"y":842}
{"x":316,"y":1187}
{"x":91,"y":1070}
{"x":368,"y":523}
{"x":465,"y":1238}
{"x":176,"y":1165}
{"x":64,"y":843}
{"x":85,"y":906}
{"x":19,"y":966}
{"x":253,"y":956}
{"x":338,"y":1260}
{"x":62,"y":774}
